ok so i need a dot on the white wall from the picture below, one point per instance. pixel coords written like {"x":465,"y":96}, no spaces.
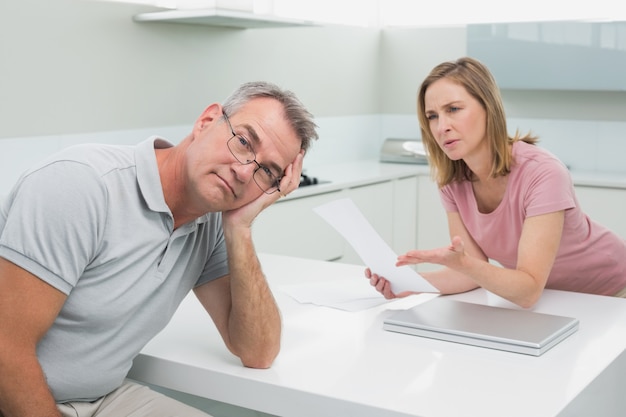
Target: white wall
{"x":343,"y":138}
{"x":71,"y":66}
{"x":82,"y":71}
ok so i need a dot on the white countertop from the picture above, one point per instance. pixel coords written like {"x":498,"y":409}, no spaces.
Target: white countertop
{"x":339,"y":363}
{"x":357,"y":173}
{"x":599,"y":179}
{"x":354,"y":174}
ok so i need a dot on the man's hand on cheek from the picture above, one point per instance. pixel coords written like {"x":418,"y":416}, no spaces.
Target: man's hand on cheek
{"x":291,"y":179}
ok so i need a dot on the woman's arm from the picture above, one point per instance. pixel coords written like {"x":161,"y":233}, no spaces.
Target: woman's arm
{"x":446,"y":280}
{"x":538,"y":246}
{"x":467,"y":267}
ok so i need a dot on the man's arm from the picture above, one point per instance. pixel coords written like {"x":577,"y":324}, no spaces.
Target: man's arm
{"x":28,"y":307}
{"x":243,"y":307}
{"x":241,"y":304}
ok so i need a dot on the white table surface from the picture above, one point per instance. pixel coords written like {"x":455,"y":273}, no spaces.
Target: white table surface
{"x":339,"y":363}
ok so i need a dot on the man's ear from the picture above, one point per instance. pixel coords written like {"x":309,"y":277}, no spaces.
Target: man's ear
{"x":210,"y":114}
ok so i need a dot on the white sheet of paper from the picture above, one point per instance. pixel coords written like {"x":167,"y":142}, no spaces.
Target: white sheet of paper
{"x":347,"y":294}
{"x":348,"y":220}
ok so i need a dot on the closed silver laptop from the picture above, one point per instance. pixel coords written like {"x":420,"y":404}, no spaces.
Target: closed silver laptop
{"x":519,"y":331}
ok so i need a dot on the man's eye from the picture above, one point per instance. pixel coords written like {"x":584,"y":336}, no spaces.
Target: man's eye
{"x":243,"y":142}
{"x":266,"y":171}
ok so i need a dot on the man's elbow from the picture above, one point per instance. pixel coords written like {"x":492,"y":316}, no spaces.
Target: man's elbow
{"x":258,"y":360}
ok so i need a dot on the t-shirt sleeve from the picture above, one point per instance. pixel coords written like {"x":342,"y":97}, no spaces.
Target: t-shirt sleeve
{"x":54,"y":222}
{"x":549,"y":188}
{"x":217,"y":262}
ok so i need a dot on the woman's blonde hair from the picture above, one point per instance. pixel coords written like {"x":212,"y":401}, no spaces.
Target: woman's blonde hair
{"x":480,"y":84}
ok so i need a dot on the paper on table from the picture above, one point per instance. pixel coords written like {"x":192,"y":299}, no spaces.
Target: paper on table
{"x":348,"y":220}
{"x":345,"y":294}
{"x":349,"y":295}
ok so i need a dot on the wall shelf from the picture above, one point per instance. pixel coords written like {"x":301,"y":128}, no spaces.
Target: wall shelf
{"x":220,"y":17}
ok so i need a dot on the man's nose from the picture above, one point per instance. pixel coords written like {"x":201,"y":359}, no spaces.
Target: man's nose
{"x":245,"y":172}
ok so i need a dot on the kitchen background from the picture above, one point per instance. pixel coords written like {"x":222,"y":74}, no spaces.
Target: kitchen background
{"x":75,"y":71}
{"x":83,"y":71}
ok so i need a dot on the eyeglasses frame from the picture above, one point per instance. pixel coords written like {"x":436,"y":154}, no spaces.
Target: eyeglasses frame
{"x":258,"y":165}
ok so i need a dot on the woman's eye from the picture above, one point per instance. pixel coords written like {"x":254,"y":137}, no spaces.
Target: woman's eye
{"x":431,"y":116}
{"x":453,"y":109}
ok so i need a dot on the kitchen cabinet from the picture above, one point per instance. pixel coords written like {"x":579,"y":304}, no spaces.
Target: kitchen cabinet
{"x":376,"y":202}
{"x":552,"y":55}
{"x":432,"y":222}
{"x":291,"y":227}
{"x":605,"y":206}
{"x":404,"y":217}
{"x":402,"y":204}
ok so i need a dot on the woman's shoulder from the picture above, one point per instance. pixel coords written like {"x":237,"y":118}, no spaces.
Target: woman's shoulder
{"x":534,"y":164}
{"x":533,"y":155}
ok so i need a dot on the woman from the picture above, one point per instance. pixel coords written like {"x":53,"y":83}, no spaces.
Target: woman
{"x":506,"y":200}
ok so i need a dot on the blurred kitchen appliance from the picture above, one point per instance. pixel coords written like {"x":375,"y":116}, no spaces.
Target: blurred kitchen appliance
{"x":307,"y":180}
{"x":408,"y":151}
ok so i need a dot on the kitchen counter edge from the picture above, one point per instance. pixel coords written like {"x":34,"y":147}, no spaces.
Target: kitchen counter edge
{"x":359,"y":173}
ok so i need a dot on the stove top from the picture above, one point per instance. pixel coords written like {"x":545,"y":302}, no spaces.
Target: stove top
{"x":306,"y":180}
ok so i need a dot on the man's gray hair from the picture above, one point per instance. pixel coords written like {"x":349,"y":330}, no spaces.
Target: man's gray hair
{"x":299,"y":117}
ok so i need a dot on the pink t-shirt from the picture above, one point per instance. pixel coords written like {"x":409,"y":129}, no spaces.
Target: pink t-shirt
{"x":591,"y":258}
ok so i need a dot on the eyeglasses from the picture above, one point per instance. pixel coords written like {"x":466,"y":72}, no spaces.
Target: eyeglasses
{"x":241,"y":149}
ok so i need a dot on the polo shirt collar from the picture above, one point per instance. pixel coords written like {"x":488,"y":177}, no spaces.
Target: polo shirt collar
{"x":148,"y":176}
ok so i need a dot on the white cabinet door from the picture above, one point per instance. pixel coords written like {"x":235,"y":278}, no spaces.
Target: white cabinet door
{"x":291,"y":227}
{"x":432,"y":222}
{"x":606,"y":206}
{"x":404,"y":214}
{"x":591,"y":65}
{"x":375,"y":201}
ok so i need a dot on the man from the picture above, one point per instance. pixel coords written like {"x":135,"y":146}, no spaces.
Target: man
{"x":100,"y":244}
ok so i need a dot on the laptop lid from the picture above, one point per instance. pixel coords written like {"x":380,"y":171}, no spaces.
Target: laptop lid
{"x":519,"y":331}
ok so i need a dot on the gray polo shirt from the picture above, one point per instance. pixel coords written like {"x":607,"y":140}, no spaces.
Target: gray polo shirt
{"x":92,"y":222}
